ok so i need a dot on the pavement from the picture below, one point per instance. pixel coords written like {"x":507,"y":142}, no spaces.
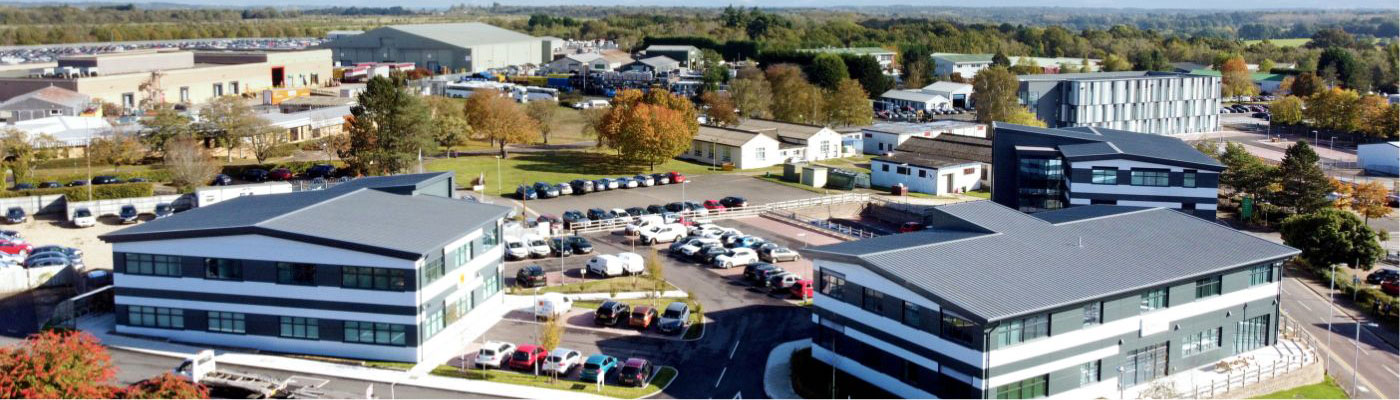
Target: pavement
{"x":777,"y":374}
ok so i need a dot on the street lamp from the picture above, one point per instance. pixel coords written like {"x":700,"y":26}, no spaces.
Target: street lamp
{"x":498,"y":175}
{"x":1314,"y":137}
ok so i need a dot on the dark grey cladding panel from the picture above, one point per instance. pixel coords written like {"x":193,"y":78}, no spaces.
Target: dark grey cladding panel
{"x":269,"y":301}
{"x":902,"y":343}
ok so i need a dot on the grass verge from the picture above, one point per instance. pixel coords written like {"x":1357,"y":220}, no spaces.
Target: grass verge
{"x":981,"y":194}
{"x":778,"y":179}
{"x":1327,"y":389}
{"x":663,"y":377}
{"x":636,"y":283}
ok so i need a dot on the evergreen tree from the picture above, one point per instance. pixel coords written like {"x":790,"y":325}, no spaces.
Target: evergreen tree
{"x":1000,"y":60}
{"x":828,"y":70}
{"x":388,"y":129}
{"x":1305,"y":186}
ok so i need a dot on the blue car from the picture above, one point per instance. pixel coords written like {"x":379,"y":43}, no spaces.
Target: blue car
{"x":526,"y":193}
{"x":597,"y":365}
{"x":546,"y":190}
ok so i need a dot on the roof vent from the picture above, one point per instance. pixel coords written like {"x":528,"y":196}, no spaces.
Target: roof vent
{"x":1081,"y":242}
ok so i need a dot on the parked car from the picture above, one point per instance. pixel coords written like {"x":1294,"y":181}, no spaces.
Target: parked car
{"x":105,"y":180}
{"x":661,"y":178}
{"x":564,"y":189}
{"x":676,"y":177}
{"x":713,"y":205}
{"x":644,"y":180}
{"x":560,"y":247}
{"x":782,"y":282}
{"x":632,"y":263}
{"x":1391,"y":287}
{"x":620,"y":213}
{"x":71,"y":252}
{"x":581,"y":186}
{"x":778,"y":254}
{"x":16,"y":215}
{"x":605,"y":265}
{"x":910,"y":227}
{"x":752,"y":271}
{"x":553,"y":222}
{"x":561,"y":361}
{"x":250,"y":175}
{"x":524,"y":192}
{"x":656,"y":209}
{"x":734,"y":201}
{"x":641,"y":317}
{"x":552,"y":305}
{"x":636,"y":211}
{"x":761,"y":277}
{"x":537,"y":245}
{"x":708,"y":253}
{"x":626,"y":183}
{"x":164,"y":210}
{"x":219,"y":180}
{"x":597,"y":367}
{"x":136,"y":180}
{"x":530,"y":276}
{"x":50,"y":185}
{"x":280,"y":174}
{"x":1382,"y":275}
{"x":612,"y":183}
{"x":14,"y":247}
{"x":737,"y":257}
{"x":81,"y":182}
{"x":83,"y":217}
{"x":675,"y":207}
{"x":636,"y":372}
{"x":611,"y":313}
{"x":693,"y":246}
{"x":527,"y":356}
{"x":675,"y":318}
{"x":545,"y":190}
{"x":601,"y":184}
{"x":128,"y":214}
{"x":600,"y":214}
{"x":662,"y":233}
{"x":802,"y":289}
{"x":572,"y":217}
{"x":516,"y":249}
{"x":50,"y":260}
{"x":579,"y":244}
{"x":323,"y":171}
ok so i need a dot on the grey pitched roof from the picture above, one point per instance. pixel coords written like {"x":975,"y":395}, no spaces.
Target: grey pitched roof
{"x":660,"y":62}
{"x":725,"y":136}
{"x":780,"y":129}
{"x":941,"y":151}
{"x":913,"y":95}
{"x":948,"y":86}
{"x":51,"y":94}
{"x":356,"y":215}
{"x":1085,"y":142}
{"x":465,"y":34}
{"x":993,"y":262}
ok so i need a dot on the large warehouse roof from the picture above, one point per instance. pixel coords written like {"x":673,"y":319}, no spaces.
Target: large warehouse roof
{"x":465,"y":34}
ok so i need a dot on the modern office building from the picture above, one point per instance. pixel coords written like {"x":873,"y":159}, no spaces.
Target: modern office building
{"x":1078,"y":303}
{"x":387,"y":268}
{"x":1037,"y":169}
{"x":1140,"y":101}
{"x":940,"y":165}
{"x":468,"y":47}
{"x":968,"y":65}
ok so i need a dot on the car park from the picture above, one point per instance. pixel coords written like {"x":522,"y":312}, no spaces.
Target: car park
{"x":531,"y":276}
{"x":661,"y":179}
{"x":105,"y":180}
{"x":737,"y":257}
{"x":802,"y":289}
{"x":662,"y":233}
{"x":250,"y":175}
{"x":635,"y":372}
{"x":564,"y":189}
{"x":524,"y":192}
{"x":644,"y":180}
{"x":604,"y":265}
{"x":694,"y":245}
{"x":527,"y":356}
{"x":538,"y":247}
{"x":778,"y":254}
{"x":164,"y":210}
{"x":734,"y":201}
{"x":579,"y":244}
{"x":127,"y":214}
{"x":562,"y":361}
{"x":1382,"y":275}
{"x":16,"y":215}
{"x":545,"y":190}
{"x":572,"y":217}
{"x":219,"y":180}
{"x":641,"y":317}
{"x":675,"y":318}
{"x":83,"y":217}
{"x":280,"y":174}
{"x":516,"y":249}
{"x":611,"y":313}
{"x":581,"y":186}
{"x":597,"y":367}
{"x":494,"y":354}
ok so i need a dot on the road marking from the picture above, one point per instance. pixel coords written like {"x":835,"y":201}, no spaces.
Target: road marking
{"x":1305,"y":305}
{"x":721,"y":376}
{"x":731,"y":351}
{"x":739,"y":395}
{"x":1391,"y":371}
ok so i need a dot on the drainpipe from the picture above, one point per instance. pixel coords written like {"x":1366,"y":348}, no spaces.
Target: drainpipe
{"x":987,"y":357}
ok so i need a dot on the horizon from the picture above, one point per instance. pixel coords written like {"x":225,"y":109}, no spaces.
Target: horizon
{"x":1186,"y":5}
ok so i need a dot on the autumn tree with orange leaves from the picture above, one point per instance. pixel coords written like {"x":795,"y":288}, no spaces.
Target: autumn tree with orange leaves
{"x":74,"y":365}
{"x":648,"y":128}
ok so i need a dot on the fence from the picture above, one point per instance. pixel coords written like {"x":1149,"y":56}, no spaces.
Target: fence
{"x":34,"y":205}
{"x":609,"y":225}
{"x":19,"y":278}
{"x":848,"y":232}
{"x":1289,"y":329}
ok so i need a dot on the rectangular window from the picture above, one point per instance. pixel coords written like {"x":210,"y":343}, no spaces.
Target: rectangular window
{"x":372,"y":278}
{"x":1259,"y":274}
{"x":300,"y":328}
{"x":911,"y":315}
{"x":296,"y":274}
{"x":1200,"y":342}
{"x":873,"y":301}
{"x":923,"y":173}
{"x":433,"y":324}
{"x":218,"y":89}
{"x":901,"y":170}
{"x":833,"y":284}
{"x":1154,"y":299}
{"x":184,"y":94}
{"x":1017,"y":331}
{"x":1105,"y":176}
{"x":1144,"y":177}
{"x":1208,"y":287}
{"x":885,"y":167}
{"x":1188,"y":178}
{"x":724,"y":154}
{"x":492,"y":284}
{"x":431,"y":272}
{"x":760,"y":153}
{"x":155,"y":317}
{"x":699,"y":152}
{"x":228,"y":322}
{"x":1093,"y":314}
{"x":457,"y":309}
{"x":959,"y":329}
{"x":1027,"y":389}
{"x":490,"y":236}
{"x":374,"y":333}
{"x":969,"y":171}
{"x":150,"y":264}
{"x":223,"y":269}
{"x":1089,"y":372}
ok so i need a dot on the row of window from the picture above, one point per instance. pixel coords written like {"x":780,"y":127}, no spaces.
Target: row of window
{"x":287,"y":273}
{"x":289,"y":327}
{"x":1142,"y":177}
{"x":954,"y":327}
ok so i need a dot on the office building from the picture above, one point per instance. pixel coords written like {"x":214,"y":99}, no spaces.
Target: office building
{"x":386,"y":268}
{"x":458,"y":47}
{"x":1038,"y":169}
{"x":1078,"y":303}
{"x":1140,"y":101}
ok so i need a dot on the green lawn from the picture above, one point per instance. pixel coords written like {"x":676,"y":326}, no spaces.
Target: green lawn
{"x":553,"y":167}
{"x":1293,"y":42}
{"x":981,"y":194}
{"x":663,"y":377}
{"x":636,"y":283}
{"x":778,"y":179}
{"x":1326,"y":389}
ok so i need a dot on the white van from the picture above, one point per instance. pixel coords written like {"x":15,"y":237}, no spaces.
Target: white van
{"x":632,"y":263}
{"x":643,"y":222}
{"x":516,"y":249}
{"x":550,"y":305}
{"x":605,"y":265}
{"x":663,"y":233}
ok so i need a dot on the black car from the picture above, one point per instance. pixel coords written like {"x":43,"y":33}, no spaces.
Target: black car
{"x":105,"y":180}
{"x":50,"y":185}
{"x":560,"y":247}
{"x":78,"y":183}
{"x":15,"y":215}
{"x":530,"y":276}
{"x":656,"y":209}
{"x":581,"y":186}
{"x":255,"y":175}
{"x":599,"y":214}
{"x":661,"y":178}
{"x":636,"y":211}
{"x":222,"y":180}
{"x":546,"y":190}
{"x":611,"y":313}
{"x":734,"y":201}
{"x":675,"y":207}
{"x":128,"y":214}
{"x":524,"y":192}
{"x":580,"y":244}
{"x":694,"y":206}
{"x":754,"y":271}
{"x":708,"y":253}
{"x":572,"y":217}
{"x":324,"y":171}
{"x":164,"y":210}
{"x":1382,"y":275}
{"x":22,"y":186}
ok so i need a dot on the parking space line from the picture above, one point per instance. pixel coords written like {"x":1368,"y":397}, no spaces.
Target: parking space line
{"x":721,"y":376}
{"x":731,"y":351}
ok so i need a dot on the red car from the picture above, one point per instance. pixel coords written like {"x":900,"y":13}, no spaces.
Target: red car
{"x":527,"y":356}
{"x":280,"y":174}
{"x":910,"y":227}
{"x":713,"y":205}
{"x":1391,"y":287}
{"x":15,"y":248}
{"x":676,"y":177}
{"x":802,"y":289}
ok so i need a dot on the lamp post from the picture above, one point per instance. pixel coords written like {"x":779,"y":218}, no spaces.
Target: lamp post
{"x":498,"y":175}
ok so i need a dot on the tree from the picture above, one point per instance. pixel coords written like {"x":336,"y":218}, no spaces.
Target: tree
{"x":1343,"y":63}
{"x":1306,"y":84}
{"x":868,"y":72}
{"x":543,"y":112}
{"x":1244,"y":172}
{"x":190,"y":165}
{"x":55,"y":364}
{"x":20,"y":153}
{"x":1000,"y":60}
{"x":657,"y":272}
{"x":231,"y":121}
{"x":1287,"y":110}
{"x":848,"y":105}
{"x":117,"y":149}
{"x":719,"y":108}
{"x":1378,"y":118}
{"x":1305,"y":186}
{"x":499,"y":119}
{"x":1235,"y":79}
{"x":916,"y":62}
{"x":388,"y":130}
{"x":714,"y":76}
{"x":753,"y":97}
{"x":1367,"y":199}
{"x":1266,"y":66}
{"x":1023,"y":116}
{"x":1331,"y":236}
{"x":551,"y":334}
{"x":163,"y":124}
{"x":800,"y":101}
{"x":1112,"y":63}
{"x":1026,"y":66}
{"x":648,"y":128}
{"x":994,"y":94}
{"x":267,"y":141}
{"x":828,"y":70}
{"x":1335,"y":109}
{"x":164,"y":386}
{"x":449,"y":126}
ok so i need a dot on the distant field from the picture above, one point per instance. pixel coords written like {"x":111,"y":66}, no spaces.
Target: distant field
{"x":1295,"y":42}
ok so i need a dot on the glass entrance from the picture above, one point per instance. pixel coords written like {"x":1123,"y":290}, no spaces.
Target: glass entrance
{"x":1252,"y":333}
{"x":1144,"y":364}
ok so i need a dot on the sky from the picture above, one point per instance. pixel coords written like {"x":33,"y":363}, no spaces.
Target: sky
{"x":1149,"y":4}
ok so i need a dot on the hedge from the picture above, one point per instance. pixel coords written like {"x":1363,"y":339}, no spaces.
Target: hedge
{"x":154,"y":175}
{"x":99,"y":192}
{"x":297,"y":167}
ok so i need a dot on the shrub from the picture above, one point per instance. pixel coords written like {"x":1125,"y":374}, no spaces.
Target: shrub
{"x":297,"y":167}
{"x":154,"y":175}
{"x":99,"y":192}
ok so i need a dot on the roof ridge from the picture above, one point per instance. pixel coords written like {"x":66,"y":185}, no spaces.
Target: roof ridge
{"x":932,"y":244}
{"x":259,"y":224}
{"x":1103,"y":216}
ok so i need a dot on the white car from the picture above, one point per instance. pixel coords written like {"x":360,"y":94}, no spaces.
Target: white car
{"x":515,"y":249}
{"x":621,"y":214}
{"x":643,"y":222}
{"x":605,"y":265}
{"x":561,"y":361}
{"x":494,"y":354}
{"x":632,"y":263}
{"x":84,"y":218}
{"x":663,"y":233}
{"x":696,"y":244}
{"x":612,"y":183}
{"x":644,"y":180}
{"x":737,"y":257}
{"x":538,"y":247}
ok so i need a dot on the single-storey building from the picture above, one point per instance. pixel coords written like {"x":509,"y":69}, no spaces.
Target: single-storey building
{"x":940,"y":165}
{"x":1379,"y":158}
{"x":686,"y":55}
{"x":607,"y":60}
{"x":659,"y":65}
{"x":310,"y":124}
{"x":884,"y":137}
{"x":51,"y":101}
{"x":758,"y":143}
{"x":917,"y":100}
{"x":959,"y":94}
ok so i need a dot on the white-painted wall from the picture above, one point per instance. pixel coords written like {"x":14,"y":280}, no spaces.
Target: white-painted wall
{"x":935,"y":181}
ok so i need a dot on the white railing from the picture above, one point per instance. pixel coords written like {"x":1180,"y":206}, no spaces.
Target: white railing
{"x":609,"y":225}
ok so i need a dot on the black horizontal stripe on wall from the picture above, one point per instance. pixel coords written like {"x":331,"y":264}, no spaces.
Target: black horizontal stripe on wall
{"x":268,"y":301}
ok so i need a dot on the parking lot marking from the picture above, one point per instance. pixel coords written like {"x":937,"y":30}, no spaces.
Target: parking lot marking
{"x":721,"y":376}
{"x":731,"y":351}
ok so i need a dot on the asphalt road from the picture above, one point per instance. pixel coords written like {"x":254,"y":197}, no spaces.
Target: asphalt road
{"x":1378,"y":361}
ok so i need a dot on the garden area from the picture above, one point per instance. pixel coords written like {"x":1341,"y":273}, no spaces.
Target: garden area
{"x":622,"y":284}
{"x":697,"y":311}
{"x":1327,"y":389}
